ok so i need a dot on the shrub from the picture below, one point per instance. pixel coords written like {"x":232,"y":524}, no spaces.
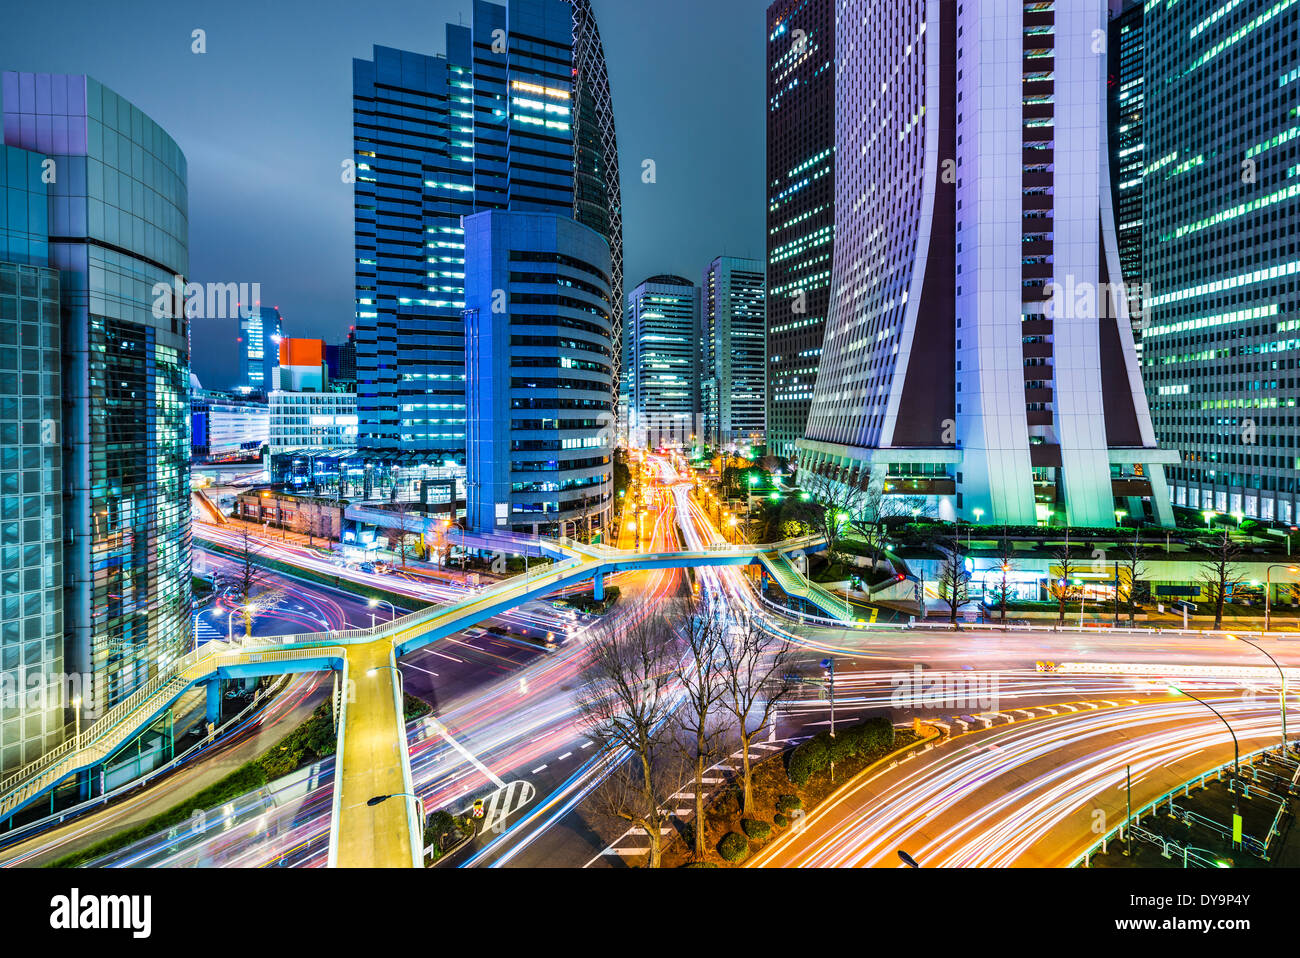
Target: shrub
{"x":780,"y":821}
{"x":806,"y":760}
{"x":756,"y":828}
{"x":733,"y":847}
{"x":785,"y":803}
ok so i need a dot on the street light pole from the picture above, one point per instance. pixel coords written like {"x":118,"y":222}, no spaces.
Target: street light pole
{"x":1280,"y":672}
{"x":1236,"y":751}
{"x":829,"y":665}
{"x":1268,"y":590}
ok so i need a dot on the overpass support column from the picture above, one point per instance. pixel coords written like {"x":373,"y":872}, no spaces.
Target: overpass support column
{"x":214,"y":702}
{"x":598,"y":587}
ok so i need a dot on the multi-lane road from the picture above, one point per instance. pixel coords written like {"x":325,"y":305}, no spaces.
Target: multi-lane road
{"x":1020,"y":793}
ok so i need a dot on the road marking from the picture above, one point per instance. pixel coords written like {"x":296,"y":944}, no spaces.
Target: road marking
{"x":466,"y":753}
{"x":418,"y":669}
{"x":564,"y":756}
{"x":452,"y":657}
{"x":540,"y":768}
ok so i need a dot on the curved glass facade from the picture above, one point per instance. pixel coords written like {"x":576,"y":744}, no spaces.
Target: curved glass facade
{"x":118,"y":222}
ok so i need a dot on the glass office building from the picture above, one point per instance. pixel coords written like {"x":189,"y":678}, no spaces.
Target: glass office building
{"x":800,"y":208}
{"x":33,"y":695}
{"x":979,"y":352}
{"x":1125,"y":101}
{"x":540,"y":367}
{"x":260,"y":332}
{"x":515,"y":115}
{"x":117,"y":208}
{"x":1221,"y":213}
{"x":662,"y":355}
{"x":734,"y":346}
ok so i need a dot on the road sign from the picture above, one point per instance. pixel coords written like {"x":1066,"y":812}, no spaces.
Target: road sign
{"x":1236,"y":828}
{"x":497,"y":808}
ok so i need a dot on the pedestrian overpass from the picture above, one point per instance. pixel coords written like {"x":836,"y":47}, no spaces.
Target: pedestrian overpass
{"x":372,"y":761}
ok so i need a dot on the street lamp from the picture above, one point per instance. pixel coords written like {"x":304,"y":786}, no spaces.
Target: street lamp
{"x":230,"y":625}
{"x":374,"y":603}
{"x":419,"y":805}
{"x":1268,"y":590}
{"x":1119,"y":516}
{"x":1209,"y":515}
{"x":1236,"y":752}
{"x":1280,"y":672}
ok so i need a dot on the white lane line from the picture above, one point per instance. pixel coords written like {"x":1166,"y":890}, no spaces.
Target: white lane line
{"x":540,"y":768}
{"x":452,"y":657}
{"x":564,"y":756}
{"x":466,"y":753}
{"x":418,"y":669}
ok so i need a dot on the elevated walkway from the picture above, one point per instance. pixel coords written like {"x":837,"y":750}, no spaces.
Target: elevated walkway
{"x":373,"y":759}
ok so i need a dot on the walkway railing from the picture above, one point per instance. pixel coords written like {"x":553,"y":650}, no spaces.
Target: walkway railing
{"x":125,"y":719}
{"x":1117,"y":833}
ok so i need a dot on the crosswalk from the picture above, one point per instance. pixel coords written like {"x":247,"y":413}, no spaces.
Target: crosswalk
{"x":205,"y":631}
{"x":681,"y":804}
{"x":504,"y":802}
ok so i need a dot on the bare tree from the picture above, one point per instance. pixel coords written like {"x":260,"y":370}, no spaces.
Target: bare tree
{"x":953,"y":584}
{"x":1221,"y":573}
{"x":1005,"y":559}
{"x":248,"y":581}
{"x":756,"y":679}
{"x":399,"y":539}
{"x":830,"y":506}
{"x":624,"y":706}
{"x":706,"y":636}
{"x":1131,"y":556}
{"x":1063,"y":589}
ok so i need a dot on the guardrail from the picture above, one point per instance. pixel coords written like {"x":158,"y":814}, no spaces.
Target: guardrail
{"x":101,"y":739}
{"x":260,"y":700}
{"x":1117,"y":833}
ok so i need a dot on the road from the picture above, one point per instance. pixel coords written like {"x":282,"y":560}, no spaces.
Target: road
{"x":1028,"y":794}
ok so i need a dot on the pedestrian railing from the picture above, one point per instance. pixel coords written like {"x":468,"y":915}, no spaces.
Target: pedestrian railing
{"x":1251,"y":844}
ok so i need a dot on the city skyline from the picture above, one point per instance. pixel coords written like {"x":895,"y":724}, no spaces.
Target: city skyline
{"x":949,"y":528}
{"x":267,"y":125}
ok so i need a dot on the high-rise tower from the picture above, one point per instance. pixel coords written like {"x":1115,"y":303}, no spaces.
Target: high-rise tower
{"x":1220,"y":207}
{"x":515,"y":115}
{"x":118,"y":232}
{"x":978,"y":348}
{"x":800,"y":208}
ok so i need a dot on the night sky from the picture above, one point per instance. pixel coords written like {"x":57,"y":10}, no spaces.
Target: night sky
{"x":264,"y":118}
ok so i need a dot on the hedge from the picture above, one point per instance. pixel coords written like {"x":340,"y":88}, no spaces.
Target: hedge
{"x":733,"y":847}
{"x":786,"y":803}
{"x":873,"y":736}
{"x":780,"y":821}
{"x":756,"y":828}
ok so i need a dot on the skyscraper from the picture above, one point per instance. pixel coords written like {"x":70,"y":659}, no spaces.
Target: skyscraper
{"x":1220,"y":207}
{"x":1125,"y":99}
{"x":260,"y":333}
{"x":491,"y":124}
{"x":733,"y":377}
{"x":117,"y":214}
{"x":661,"y":335}
{"x":971,"y":346}
{"x":800,"y":207}
{"x":539,"y":347}
{"x":31,"y":560}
